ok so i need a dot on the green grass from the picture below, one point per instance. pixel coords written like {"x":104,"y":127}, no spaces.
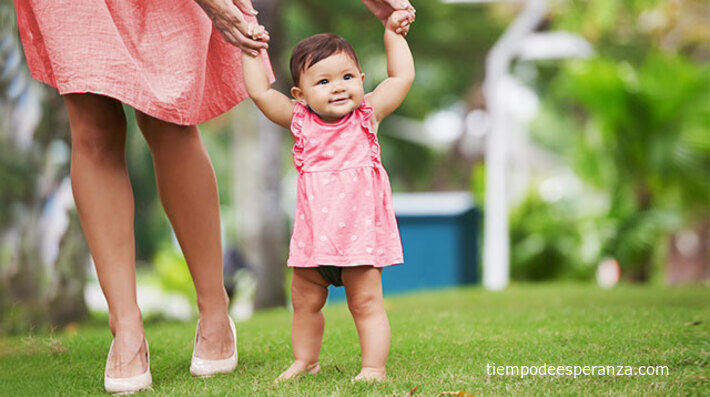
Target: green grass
{"x":441,"y":341}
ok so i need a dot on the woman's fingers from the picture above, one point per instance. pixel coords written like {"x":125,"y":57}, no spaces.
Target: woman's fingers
{"x":237,"y":38}
{"x":245,"y":6}
{"x":229,"y":20}
{"x":382,"y":9}
{"x":250,"y":45}
{"x":401,"y":5}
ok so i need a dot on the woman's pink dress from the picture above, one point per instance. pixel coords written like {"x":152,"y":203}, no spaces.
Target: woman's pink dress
{"x":344,"y":215}
{"x":162,"y":57}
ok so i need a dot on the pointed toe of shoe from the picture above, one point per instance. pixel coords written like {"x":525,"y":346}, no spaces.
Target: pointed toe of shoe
{"x":128,"y":385}
{"x":204,"y":368}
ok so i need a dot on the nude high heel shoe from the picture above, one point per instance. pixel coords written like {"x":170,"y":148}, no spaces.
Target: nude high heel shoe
{"x":204,"y":368}
{"x":131,"y":384}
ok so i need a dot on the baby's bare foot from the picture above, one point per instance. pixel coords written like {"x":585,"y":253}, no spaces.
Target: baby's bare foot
{"x":297,"y":368}
{"x":371,"y":374}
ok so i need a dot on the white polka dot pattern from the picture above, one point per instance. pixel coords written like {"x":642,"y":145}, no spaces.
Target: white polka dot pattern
{"x":344,"y":215}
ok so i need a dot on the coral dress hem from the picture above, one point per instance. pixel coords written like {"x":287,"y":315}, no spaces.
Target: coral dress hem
{"x":163,"y":58}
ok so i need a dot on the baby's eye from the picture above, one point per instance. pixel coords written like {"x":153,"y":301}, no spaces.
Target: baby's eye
{"x":324,"y":81}
{"x":348,"y":76}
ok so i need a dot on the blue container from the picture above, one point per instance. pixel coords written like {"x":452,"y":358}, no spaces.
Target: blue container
{"x":440,"y":240}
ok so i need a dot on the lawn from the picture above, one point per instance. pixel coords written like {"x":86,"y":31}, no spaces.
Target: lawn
{"x":441,"y":342}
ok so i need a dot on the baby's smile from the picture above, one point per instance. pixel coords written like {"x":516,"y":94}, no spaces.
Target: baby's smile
{"x":339,"y":101}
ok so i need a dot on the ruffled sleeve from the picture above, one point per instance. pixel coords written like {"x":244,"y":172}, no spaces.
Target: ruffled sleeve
{"x":300,"y":113}
{"x":365,"y":113}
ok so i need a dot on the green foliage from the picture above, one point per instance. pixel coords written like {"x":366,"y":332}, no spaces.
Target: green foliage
{"x":641,"y":134}
{"x":548,"y":240}
{"x":16,"y":175}
{"x":612,"y":26}
{"x":20,"y":317}
{"x":409,"y":165}
{"x":478,"y":182}
{"x":634,"y":122}
{"x":151,"y":225}
{"x":172,"y":271}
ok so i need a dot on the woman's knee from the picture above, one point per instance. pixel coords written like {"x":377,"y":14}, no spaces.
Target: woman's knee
{"x":98,"y":126}
{"x":147,"y":123}
{"x":159,"y":132}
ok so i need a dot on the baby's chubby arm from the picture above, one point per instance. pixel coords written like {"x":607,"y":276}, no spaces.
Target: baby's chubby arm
{"x":400,"y":68}
{"x":276,"y":106}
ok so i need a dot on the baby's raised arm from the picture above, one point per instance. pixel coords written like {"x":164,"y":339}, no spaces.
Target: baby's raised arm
{"x":276,"y":106}
{"x":400,"y":68}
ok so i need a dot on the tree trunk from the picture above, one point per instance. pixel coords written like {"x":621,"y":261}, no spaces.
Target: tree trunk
{"x":42,"y":266}
{"x":65,"y":295}
{"x":689,"y":255}
{"x":258,"y":150}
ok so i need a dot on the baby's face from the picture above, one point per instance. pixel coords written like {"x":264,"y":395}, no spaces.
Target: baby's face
{"x":332,"y":87}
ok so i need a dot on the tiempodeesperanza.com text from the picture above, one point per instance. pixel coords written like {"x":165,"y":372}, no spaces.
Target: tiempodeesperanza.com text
{"x":574,"y":370}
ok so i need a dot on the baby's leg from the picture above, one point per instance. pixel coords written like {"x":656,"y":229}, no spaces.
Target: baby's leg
{"x":308,"y":294}
{"x":363,"y":288}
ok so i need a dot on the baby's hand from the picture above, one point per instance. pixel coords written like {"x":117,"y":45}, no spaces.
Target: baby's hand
{"x":399,"y":21}
{"x":257,"y":32}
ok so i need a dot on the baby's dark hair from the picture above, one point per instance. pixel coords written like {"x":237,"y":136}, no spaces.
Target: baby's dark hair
{"x":316,"y":48}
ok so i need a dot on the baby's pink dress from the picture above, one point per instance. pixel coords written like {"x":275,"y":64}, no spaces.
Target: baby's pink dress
{"x":162,"y":57}
{"x":344,"y":215}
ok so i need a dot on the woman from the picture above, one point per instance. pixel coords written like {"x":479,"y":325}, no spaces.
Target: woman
{"x":165,"y":59}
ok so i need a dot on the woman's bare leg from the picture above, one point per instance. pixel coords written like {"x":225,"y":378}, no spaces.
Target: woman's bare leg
{"x":363,"y":288}
{"x":308,"y":295}
{"x":188,"y":191}
{"x":104,"y":200}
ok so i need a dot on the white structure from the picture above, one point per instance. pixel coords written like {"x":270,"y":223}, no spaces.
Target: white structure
{"x":518,"y":42}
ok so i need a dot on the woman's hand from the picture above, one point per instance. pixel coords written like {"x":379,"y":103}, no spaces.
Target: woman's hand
{"x":384,"y":8}
{"x":228,"y":18}
{"x":395,"y":21}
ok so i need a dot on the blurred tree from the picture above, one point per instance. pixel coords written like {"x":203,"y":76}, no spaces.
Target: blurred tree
{"x":646,"y":141}
{"x":152,"y":228}
{"x":548,"y":239}
{"x":42,"y":255}
{"x":258,"y":143}
{"x":642,"y":109}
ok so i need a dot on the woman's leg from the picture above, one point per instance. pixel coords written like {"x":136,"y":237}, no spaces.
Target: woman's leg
{"x":308,"y":294}
{"x":363,"y":288}
{"x":104,"y":200}
{"x":188,"y":191}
